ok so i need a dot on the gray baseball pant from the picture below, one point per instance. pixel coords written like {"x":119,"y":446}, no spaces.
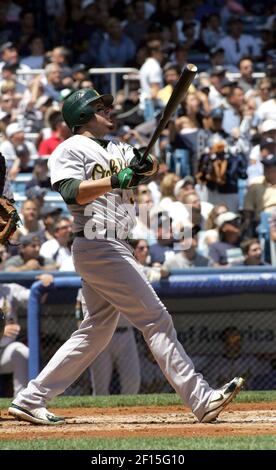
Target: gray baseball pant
{"x":113,"y":282}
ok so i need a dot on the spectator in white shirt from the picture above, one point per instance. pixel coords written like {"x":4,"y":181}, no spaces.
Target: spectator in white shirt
{"x":151,"y":74}
{"x":58,"y":248}
{"x":15,"y":136}
{"x":267,"y":110}
{"x":143,"y":228}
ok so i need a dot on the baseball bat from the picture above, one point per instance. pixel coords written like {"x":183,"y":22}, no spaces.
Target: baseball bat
{"x":176,"y":97}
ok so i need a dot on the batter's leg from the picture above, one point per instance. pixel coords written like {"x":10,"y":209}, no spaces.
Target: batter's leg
{"x":130,"y":293}
{"x":75,"y":355}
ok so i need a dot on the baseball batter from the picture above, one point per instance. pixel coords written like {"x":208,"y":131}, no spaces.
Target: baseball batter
{"x":95,"y":178}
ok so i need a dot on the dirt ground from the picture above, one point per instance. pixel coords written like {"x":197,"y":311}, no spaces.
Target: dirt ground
{"x":173,"y":421}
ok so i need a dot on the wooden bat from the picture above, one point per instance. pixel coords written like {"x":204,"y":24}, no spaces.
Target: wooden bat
{"x":177,"y":96}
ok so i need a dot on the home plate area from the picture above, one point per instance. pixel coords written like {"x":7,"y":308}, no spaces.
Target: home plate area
{"x":174,"y":421}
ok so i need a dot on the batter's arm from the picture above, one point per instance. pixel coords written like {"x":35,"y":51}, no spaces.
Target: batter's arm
{"x":74,"y":191}
{"x":89,"y":190}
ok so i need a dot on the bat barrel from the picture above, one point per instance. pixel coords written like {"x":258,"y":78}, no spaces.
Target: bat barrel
{"x":178,"y":94}
{"x":192,"y":68}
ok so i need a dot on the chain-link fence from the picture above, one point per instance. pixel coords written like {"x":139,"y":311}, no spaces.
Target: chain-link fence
{"x":227,"y":343}
{"x":225,"y":335}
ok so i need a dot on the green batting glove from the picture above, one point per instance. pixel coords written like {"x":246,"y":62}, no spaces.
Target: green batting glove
{"x":124,"y":179}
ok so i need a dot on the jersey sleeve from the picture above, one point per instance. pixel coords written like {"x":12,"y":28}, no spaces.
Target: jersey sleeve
{"x":68,"y":190}
{"x":67,"y":164}
{"x":127,"y":152}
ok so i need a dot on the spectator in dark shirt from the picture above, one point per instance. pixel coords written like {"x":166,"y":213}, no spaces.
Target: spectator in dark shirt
{"x":29,"y":258}
{"x":227,"y":251}
{"x":40,"y":175}
{"x":136,"y":28}
{"x":50,"y":214}
{"x":22,"y":163}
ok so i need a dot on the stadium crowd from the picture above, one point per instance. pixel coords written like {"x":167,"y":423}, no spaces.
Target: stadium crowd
{"x":217,"y":154}
{"x":213,"y":202}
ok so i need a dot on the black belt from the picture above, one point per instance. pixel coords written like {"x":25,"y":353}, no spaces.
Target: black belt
{"x":82,"y":235}
{"x":79,"y":234}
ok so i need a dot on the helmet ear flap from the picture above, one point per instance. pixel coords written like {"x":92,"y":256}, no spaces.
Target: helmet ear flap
{"x":86,"y":114}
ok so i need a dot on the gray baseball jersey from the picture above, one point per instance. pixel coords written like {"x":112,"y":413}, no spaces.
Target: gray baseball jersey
{"x":83,"y":158}
{"x":112,"y":282}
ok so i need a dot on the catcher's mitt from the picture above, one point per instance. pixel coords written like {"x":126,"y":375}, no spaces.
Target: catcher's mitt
{"x":9,"y":220}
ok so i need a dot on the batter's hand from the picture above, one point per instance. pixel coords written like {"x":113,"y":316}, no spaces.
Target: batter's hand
{"x":147,"y":169}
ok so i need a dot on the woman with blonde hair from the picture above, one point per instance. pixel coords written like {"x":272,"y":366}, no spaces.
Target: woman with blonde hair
{"x":167,"y":190}
{"x":215,"y":212}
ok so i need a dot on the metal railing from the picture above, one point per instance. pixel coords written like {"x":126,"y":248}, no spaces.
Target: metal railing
{"x":113,"y":72}
{"x":128,"y":74}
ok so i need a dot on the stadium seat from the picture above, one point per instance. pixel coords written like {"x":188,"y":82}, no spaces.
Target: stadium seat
{"x":19,"y":184}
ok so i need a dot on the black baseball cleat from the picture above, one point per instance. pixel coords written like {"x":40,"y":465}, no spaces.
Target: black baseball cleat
{"x":220,"y":399}
{"x":36,"y":416}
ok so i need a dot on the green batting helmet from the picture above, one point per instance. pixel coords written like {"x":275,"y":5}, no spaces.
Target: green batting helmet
{"x":76,"y":110}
